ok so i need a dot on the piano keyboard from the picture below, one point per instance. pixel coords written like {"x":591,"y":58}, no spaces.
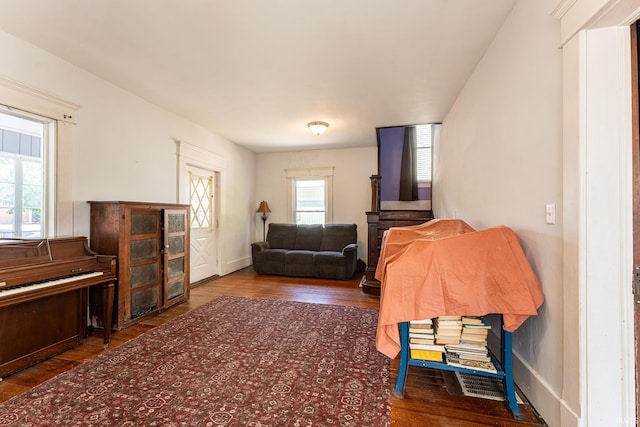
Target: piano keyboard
{"x":11,"y":290}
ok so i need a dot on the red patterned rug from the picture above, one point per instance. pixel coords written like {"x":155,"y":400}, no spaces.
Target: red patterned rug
{"x":232,"y":362}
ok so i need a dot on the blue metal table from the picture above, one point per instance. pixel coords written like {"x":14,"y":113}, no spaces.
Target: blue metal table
{"x":504,"y":367}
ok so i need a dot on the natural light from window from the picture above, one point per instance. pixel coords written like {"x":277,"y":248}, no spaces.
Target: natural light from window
{"x":21,"y":177}
{"x":310,"y":201}
{"x":424,"y":144}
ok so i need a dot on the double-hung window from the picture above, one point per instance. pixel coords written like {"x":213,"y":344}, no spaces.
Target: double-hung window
{"x":310,"y":194}
{"x":424,"y":148}
{"x":36,"y":167}
{"x":25,"y":142}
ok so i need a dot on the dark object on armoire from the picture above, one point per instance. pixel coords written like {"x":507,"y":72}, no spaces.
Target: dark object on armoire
{"x":378,"y":222}
{"x":151,"y":242}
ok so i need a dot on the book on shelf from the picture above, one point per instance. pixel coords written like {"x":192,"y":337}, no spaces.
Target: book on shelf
{"x":472,"y":320}
{"x":420,"y":330}
{"x":476,"y":326}
{"x":467,"y":348}
{"x":478,"y":357}
{"x":449,"y":332}
{"x":430,"y":355}
{"x":432,"y":347}
{"x":453,"y":324}
{"x":422,"y":322}
{"x":420,"y":334}
{"x":421,"y":325}
{"x":430,"y":352}
{"x":449,"y":317}
{"x":454,"y":360}
{"x":447,"y":339}
{"x":477,"y":332}
{"x":414,"y":340}
{"x":473,"y":339}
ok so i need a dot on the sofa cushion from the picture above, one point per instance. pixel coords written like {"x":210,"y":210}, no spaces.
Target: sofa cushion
{"x":337,"y":236}
{"x":328,"y":258}
{"x":329,"y":265}
{"x":272,"y":255}
{"x":299,"y":263}
{"x":309,"y":237}
{"x":282,"y":236}
{"x":299,"y":257}
{"x":270,"y":261}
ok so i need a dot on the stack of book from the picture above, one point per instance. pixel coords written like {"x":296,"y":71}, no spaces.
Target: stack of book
{"x":422,"y":341}
{"x":448,"y":329}
{"x":471,"y":356}
{"x":471,"y":352}
{"x":474,"y":331}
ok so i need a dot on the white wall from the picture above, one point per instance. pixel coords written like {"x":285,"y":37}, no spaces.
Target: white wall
{"x":351,"y":185}
{"x":500,"y":162}
{"x":124,"y":147}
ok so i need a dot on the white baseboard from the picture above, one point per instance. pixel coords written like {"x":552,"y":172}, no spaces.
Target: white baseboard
{"x":546,"y":401}
{"x":235,"y":265}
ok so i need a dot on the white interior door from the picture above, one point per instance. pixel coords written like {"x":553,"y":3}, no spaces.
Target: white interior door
{"x":204,"y":223}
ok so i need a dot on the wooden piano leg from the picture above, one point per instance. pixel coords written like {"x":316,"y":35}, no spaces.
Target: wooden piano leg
{"x":108,"y":290}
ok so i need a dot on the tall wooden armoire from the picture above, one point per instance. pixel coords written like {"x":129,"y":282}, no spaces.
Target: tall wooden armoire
{"x":151,"y":242}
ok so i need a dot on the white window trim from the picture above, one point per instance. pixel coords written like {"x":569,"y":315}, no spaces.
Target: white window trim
{"x":322,"y":172}
{"x":17,"y":96}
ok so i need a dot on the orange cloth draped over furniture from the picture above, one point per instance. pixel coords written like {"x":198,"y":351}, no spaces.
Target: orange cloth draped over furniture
{"x":445,"y":267}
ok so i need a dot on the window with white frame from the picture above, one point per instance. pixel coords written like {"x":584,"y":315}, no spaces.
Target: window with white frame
{"x":26,"y":180}
{"x":310,"y":194}
{"x":201,"y":191}
{"x":424,"y":148}
{"x":56,"y":117}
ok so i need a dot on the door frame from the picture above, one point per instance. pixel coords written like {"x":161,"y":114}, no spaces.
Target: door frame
{"x":635,"y":137}
{"x":190,"y":155}
{"x":213,"y":232}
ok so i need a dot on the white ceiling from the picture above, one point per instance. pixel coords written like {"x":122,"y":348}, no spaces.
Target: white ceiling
{"x":257,"y":71}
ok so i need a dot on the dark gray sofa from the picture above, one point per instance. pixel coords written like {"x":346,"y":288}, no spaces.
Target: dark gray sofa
{"x":329,"y":251}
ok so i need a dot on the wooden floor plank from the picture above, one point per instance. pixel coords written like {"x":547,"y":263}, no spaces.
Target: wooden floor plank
{"x":430,"y":398}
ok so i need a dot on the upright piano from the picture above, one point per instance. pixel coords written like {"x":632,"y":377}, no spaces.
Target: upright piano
{"x":44,"y":297}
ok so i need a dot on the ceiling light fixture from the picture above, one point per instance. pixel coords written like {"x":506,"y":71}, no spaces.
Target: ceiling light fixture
{"x":318,"y":127}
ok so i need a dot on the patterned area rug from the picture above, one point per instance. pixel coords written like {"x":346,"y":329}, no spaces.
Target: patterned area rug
{"x":233,"y":362}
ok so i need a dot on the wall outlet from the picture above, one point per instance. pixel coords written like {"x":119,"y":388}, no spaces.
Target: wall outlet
{"x":550,"y":211}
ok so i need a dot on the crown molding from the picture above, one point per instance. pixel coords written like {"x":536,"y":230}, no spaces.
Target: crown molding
{"x":19,"y":96}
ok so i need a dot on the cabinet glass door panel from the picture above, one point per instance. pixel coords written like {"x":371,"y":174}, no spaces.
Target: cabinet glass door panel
{"x":141,"y":275}
{"x":176,"y":289}
{"x":176,"y":244}
{"x":144,"y":249}
{"x":144,"y":223}
{"x":144,"y":301}
{"x":176,"y":267}
{"x":176,"y":223}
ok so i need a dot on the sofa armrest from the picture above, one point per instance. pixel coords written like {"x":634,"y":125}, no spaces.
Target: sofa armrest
{"x":350,"y":252}
{"x":259,"y":246}
{"x":256,"y":248}
{"x":351,"y":247}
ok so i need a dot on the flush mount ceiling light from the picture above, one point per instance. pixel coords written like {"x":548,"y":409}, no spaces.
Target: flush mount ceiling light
{"x":318,"y":127}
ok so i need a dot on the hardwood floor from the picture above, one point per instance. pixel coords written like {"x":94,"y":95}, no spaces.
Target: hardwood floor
{"x":430,"y":399}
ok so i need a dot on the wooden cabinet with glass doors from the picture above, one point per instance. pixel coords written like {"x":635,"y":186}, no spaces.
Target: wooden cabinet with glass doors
{"x":151,"y":242}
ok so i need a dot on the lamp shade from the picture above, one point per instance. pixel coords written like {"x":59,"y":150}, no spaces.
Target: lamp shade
{"x":318,"y":127}
{"x":264,"y":207}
